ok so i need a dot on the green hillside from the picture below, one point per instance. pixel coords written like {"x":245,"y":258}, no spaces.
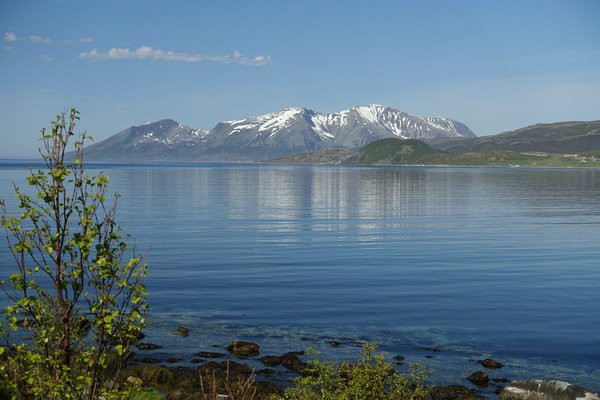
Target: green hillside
{"x":393,"y":151}
{"x":560,"y":138}
{"x":396,"y":151}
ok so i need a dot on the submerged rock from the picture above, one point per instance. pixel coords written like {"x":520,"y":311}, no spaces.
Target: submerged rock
{"x":479,"y":378}
{"x":489,"y":363}
{"x":208,"y":354}
{"x":271,"y":361}
{"x":334,"y":343}
{"x":429,"y":348}
{"x":240,"y":348}
{"x":148,"y":346}
{"x":265,"y":371}
{"x":173,"y":359}
{"x":546,"y":390}
{"x":183,"y":331}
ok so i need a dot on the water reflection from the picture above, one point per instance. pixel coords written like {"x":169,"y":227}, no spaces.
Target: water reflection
{"x":446,"y":256}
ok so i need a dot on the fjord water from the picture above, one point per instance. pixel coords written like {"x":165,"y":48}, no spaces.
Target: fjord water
{"x":477,"y":262}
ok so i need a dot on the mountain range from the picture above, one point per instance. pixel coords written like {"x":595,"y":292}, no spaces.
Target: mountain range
{"x":289,"y":131}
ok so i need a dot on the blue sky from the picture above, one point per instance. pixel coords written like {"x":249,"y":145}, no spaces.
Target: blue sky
{"x":494,"y":65}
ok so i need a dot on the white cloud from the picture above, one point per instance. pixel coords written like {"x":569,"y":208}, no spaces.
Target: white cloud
{"x":46,"y":58}
{"x":148,"y":53}
{"x":10,"y":37}
{"x":40,"y":39}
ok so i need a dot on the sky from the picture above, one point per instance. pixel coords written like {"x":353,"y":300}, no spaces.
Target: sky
{"x":493,"y":65}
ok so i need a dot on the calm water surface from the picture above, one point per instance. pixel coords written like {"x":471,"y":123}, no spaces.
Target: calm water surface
{"x":476,"y":262}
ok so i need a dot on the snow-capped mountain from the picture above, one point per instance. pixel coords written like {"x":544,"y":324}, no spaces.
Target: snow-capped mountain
{"x":289,"y":131}
{"x":161,"y":140}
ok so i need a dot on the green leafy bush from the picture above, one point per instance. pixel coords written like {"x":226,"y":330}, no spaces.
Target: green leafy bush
{"x":77,"y":294}
{"x":372,"y":378}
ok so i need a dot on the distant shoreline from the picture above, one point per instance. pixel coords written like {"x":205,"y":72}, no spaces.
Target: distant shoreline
{"x":159,"y":164}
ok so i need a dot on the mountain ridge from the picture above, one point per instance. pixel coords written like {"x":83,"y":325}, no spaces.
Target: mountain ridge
{"x":287,"y":131}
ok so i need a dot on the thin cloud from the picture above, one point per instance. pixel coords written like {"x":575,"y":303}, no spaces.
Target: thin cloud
{"x":46,"y":58}
{"x":148,"y":53}
{"x":40,"y":39}
{"x":10,"y":37}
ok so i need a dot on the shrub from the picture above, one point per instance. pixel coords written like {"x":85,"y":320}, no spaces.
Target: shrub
{"x":372,"y":378}
{"x":77,"y":293}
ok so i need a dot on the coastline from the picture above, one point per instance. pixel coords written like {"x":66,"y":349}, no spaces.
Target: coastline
{"x":273,"y":373}
{"x":24,"y":163}
{"x":274,"y":377}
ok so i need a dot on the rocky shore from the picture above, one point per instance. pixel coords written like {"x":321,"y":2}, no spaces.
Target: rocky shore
{"x":229,"y":369}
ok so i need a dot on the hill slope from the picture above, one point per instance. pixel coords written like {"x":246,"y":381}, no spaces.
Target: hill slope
{"x":394,"y":151}
{"x":560,"y":137}
{"x":389,"y":151}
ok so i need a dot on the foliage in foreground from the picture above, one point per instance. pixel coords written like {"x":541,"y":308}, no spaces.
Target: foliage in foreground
{"x":371,"y":378}
{"x":235,"y":388}
{"x":77,"y":296}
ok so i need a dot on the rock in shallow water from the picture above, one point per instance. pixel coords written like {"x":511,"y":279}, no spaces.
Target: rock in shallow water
{"x":208,"y":354}
{"x":240,"y":348}
{"x":271,"y":361}
{"x":183,"y":331}
{"x":147,"y":346}
{"x":546,"y":390}
{"x":479,"y":378}
{"x":429,"y":348}
{"x":489,"y":363}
